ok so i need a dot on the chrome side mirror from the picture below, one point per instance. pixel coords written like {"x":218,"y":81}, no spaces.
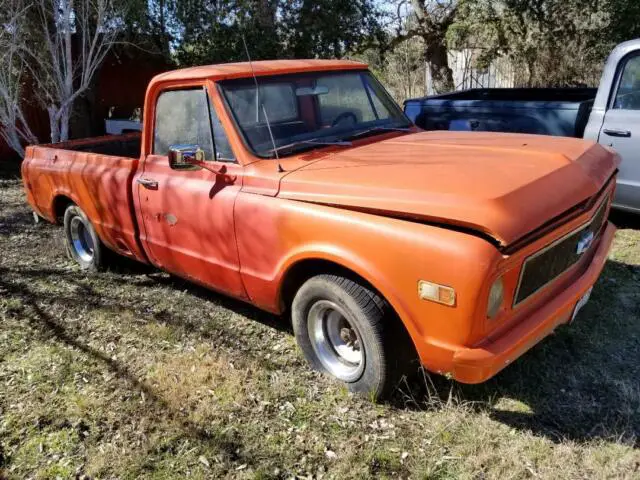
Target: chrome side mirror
{"x":185,"y":157}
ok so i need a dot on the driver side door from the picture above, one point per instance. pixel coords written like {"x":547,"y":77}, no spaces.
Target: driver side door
{"x":187,"y":212}
{"x":621,"y":130}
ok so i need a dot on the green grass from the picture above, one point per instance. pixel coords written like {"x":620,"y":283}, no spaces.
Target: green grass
{"x":133,"y":374}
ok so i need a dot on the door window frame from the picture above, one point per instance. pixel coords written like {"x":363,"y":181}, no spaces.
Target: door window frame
{"x":210,"y":110}
{"x":622,"y":65}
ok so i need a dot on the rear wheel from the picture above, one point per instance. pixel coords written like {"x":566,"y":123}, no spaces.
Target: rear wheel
{"x":81,"y":241}
{"x":348,"y":331}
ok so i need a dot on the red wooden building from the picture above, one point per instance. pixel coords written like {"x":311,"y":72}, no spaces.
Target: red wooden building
{"x":119,"y":84}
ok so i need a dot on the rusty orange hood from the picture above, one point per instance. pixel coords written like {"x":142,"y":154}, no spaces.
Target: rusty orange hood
{"x":503,"y":185}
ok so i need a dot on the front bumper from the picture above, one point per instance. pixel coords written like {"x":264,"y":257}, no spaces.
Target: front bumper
{"x":475,"y":365}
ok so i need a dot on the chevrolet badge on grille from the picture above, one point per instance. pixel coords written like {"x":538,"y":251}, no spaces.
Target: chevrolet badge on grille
{"x":585,"y":242}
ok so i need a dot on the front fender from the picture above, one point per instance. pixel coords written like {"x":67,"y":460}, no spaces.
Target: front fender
{"x":392,"y":255}
{"x":353,"y":261}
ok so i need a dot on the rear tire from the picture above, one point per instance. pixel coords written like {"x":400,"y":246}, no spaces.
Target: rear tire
{"x":346,"y":330}
{"x":81,"y":241}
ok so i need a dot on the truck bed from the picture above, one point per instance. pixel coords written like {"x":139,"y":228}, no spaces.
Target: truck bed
{"x":543,"y":111}
{"x":96,"y":173}
{"x":127,"y":145}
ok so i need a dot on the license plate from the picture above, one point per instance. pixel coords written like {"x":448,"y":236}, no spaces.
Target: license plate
{"x":581,"y":303}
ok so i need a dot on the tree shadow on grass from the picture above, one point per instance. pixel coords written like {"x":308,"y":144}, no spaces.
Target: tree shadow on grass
{"x":138,"y":277}
{"x":579,"y":384}
{"x":244,"y":309}
{"x":132,"y":273}
{"x":9,"y":169}
{"x":47,"y":327}
{"x":14,"y":221}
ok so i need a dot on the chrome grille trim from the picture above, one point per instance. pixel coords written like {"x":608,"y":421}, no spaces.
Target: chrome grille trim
{"x":600,"y":214}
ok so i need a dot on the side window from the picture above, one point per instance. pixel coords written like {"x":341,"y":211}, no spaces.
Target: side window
{"x":223,"y":148}
{"x":182,"y":118}
{"x":628,"y":94}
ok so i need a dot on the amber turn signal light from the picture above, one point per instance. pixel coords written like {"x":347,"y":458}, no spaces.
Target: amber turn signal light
{"x":436,"y":293}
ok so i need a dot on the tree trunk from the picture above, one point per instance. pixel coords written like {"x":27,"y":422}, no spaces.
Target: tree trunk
{"x":437,"y":60}
{"x":433,"y":30}
{"x":11,"y":137}
{"x":53,"y":124}
{"x":531,"y":67}
{"x":64,"y":124}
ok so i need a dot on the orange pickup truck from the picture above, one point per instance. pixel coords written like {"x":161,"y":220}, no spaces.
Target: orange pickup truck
{"x":305,"y":190}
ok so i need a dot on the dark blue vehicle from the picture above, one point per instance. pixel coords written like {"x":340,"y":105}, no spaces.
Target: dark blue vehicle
{"x":543,"y":111}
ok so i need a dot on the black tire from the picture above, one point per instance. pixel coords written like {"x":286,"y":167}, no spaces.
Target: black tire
{"x":387,"y":350}
{"x":81,"y":241}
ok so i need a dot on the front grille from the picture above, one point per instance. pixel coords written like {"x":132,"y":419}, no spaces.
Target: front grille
{"x":544,"y":266}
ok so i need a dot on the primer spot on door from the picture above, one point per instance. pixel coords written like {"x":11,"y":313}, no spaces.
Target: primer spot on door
{"x":170,"y":218}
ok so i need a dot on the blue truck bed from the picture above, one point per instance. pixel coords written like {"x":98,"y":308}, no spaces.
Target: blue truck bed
{"x":543,"y":111}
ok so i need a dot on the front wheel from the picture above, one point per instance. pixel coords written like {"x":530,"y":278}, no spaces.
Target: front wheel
{"x":348,"y":331}
{"x":81,"y":241}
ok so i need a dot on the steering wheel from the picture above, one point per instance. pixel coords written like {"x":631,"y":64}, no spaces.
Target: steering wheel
{"x":343,"y":116}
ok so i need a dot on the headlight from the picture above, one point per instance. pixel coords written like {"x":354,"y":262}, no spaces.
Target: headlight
{"x":496,"y":296}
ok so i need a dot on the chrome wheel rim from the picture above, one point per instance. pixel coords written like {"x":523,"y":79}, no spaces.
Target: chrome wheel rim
{"x":336,"y":341}
{"x":81,"y":240}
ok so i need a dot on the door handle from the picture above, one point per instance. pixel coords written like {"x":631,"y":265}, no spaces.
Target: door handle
{"x":617,"y":133}
{"x":148,"y":183}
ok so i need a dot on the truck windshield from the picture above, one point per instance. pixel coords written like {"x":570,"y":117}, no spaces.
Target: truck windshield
{"x":310,"y":109}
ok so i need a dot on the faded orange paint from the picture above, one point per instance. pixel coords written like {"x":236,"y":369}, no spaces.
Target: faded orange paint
{"x":458,"y":209}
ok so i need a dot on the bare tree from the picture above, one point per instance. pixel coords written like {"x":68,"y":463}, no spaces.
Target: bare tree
{"x":61,"y":44}
{"x":61,"y":78}
{"x":14,"y":128}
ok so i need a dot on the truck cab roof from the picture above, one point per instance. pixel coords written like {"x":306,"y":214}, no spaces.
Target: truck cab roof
{"x":260,"y":68}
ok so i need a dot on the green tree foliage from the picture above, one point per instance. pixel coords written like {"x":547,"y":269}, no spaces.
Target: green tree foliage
{"x":150,"y":25}
{"x":624,"y":20}
{"x":330,"y":28}
{"x":211,"y":31}
{"x":550,"y":42}
{"x":195,"y":32}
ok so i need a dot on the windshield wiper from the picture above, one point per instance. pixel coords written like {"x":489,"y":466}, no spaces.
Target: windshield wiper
{"x":374,"y":130}
{"x":308,"y":143}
